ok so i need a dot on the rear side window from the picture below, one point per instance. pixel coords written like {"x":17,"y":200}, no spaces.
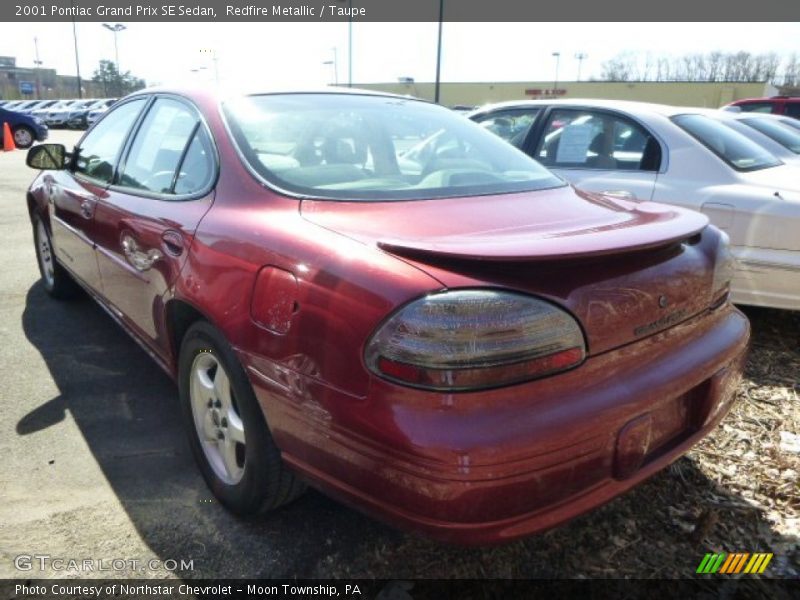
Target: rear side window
{"x":597,"y":140}
{"x":197,"y":167}
{"x":793,"y":109}
{"x":98,"y":152}
{"x":166,"y":141}
{"x":731,"y":146}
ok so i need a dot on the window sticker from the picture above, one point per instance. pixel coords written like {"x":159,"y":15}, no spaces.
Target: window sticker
{"x":574,"y":144}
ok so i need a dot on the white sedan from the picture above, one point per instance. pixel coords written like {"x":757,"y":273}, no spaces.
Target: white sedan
{"x":774,"y":132}
{"x":678,"y":156}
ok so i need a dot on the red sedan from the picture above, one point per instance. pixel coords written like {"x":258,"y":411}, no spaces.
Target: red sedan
{"x":374,"y":295}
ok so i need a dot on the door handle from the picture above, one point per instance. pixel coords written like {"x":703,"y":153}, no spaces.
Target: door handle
{"x":141,"y":260}
{"x":173,"y":242}
{"x":622,"y":194}
{"x":87,"y":209}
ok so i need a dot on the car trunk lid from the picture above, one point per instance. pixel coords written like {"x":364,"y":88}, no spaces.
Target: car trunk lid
{"x":626,"y":270}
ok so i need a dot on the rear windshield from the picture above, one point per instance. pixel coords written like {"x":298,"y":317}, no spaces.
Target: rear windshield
{"x":731,"y":146}
{"x":787,"y":137}
{"x":358,"y":147}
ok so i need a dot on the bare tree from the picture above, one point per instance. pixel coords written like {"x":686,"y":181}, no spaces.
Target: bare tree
{"x":712,"y":66}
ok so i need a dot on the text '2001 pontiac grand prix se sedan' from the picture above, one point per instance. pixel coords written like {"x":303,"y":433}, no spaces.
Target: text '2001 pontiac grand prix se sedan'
{"x":454,"y":340}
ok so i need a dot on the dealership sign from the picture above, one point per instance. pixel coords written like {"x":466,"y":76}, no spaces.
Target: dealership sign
{"x":545,"y":92}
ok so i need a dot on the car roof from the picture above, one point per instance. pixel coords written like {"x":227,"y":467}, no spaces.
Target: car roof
{"x":629,"y":106}
{"x":206,"y":92}
{"x":212,"y":94}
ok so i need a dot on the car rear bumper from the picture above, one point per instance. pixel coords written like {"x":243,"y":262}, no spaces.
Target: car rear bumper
{"x":491,"y":466}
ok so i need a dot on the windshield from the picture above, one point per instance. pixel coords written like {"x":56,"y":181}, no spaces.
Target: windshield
{"x":786,"y":136}
{"x":353,"y":147}
{"x":731,"y":146}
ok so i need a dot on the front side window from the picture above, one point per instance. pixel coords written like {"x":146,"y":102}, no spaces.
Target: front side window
{"x":786,"y":136}
{"x":597,"y":140}
{"x":159,"y":147}
{"x":98,"y":152}
{"x":731,"y":146}
{"x":359,"y":147}
{"x":511,"y":125}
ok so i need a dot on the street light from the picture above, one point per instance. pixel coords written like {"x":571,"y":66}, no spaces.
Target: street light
{"x":437,"y":85}
{"x":557,"y":56}
{"x":580,"y":56}
{"x":38,"y":64}
{"x":115,"y":29}
{"x":335,"y":63}
{"x":75,"y":43}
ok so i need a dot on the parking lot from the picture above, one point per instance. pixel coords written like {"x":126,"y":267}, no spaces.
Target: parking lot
{"x":96,"y":465}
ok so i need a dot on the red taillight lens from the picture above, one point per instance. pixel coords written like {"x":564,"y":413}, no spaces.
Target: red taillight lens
{"x":473,"y":339}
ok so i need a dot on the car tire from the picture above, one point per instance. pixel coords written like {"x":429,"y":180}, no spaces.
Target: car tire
{"x":57,"y":282}
{"x":229,"y":435}
{"x":24,"y":136}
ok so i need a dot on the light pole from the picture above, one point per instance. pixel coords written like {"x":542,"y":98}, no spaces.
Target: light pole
{"x":580,"y":56}
{"x":115,"y":29}
{"x":557,"y":56}
{"x":38,"y":64}
{"x":77,"y":61}
{"x":335,"y":63}
{"x":437,"y":86}
{"x":350,"y":46}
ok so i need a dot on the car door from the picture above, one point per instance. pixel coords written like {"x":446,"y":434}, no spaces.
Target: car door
{"x":146,"y":221}
{"x":599,"y":151}
{"x":74,"y":193}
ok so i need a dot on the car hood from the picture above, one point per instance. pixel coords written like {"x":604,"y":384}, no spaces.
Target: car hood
{"x":543,"y":225}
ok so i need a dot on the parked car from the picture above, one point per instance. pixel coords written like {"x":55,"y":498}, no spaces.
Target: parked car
{"x":59,"y":113}
{"x":778,"y":105}
{"x":770,"y":131}
{"x":12,"y":104}
{"x":31,"y":108}
{"x":79,"y":118}
{"x":468,"y":346}
{"x":24,"y":128}
{"x":94,"y":114}
{"x":25,"y":105}
{"x":679,"y":156}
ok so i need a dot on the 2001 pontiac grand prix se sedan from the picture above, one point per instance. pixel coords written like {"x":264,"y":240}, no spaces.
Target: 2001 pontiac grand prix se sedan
{"x":454,"y":340}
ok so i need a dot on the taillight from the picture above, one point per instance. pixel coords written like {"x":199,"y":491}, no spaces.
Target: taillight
{"x":724,"y":265}
{"x":473,"y":339}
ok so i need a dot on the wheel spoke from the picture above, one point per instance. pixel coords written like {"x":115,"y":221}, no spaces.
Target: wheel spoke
{"x":209,"y":429}
{"x":235,"y":429}
{"x":227,"y":448}
{"x":204,"y":384}
{"x":222,"y":387}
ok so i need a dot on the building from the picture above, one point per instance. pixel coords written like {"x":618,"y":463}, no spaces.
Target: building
{"x":31,"y":83}
{"x":679,"y":93}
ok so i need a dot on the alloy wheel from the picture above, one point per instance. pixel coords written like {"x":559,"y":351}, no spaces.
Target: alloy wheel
{"x":216,"y":418}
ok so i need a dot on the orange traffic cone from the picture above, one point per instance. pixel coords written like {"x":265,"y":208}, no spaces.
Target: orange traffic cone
{"x":8,"y":139}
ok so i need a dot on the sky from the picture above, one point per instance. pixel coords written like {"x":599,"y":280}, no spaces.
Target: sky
{"x":293,"y":54}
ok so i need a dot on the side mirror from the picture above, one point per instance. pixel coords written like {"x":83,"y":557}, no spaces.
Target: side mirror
{"x":52,"y":157}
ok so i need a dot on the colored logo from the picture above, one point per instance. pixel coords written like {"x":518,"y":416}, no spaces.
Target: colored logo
{"x":736,"y":562}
